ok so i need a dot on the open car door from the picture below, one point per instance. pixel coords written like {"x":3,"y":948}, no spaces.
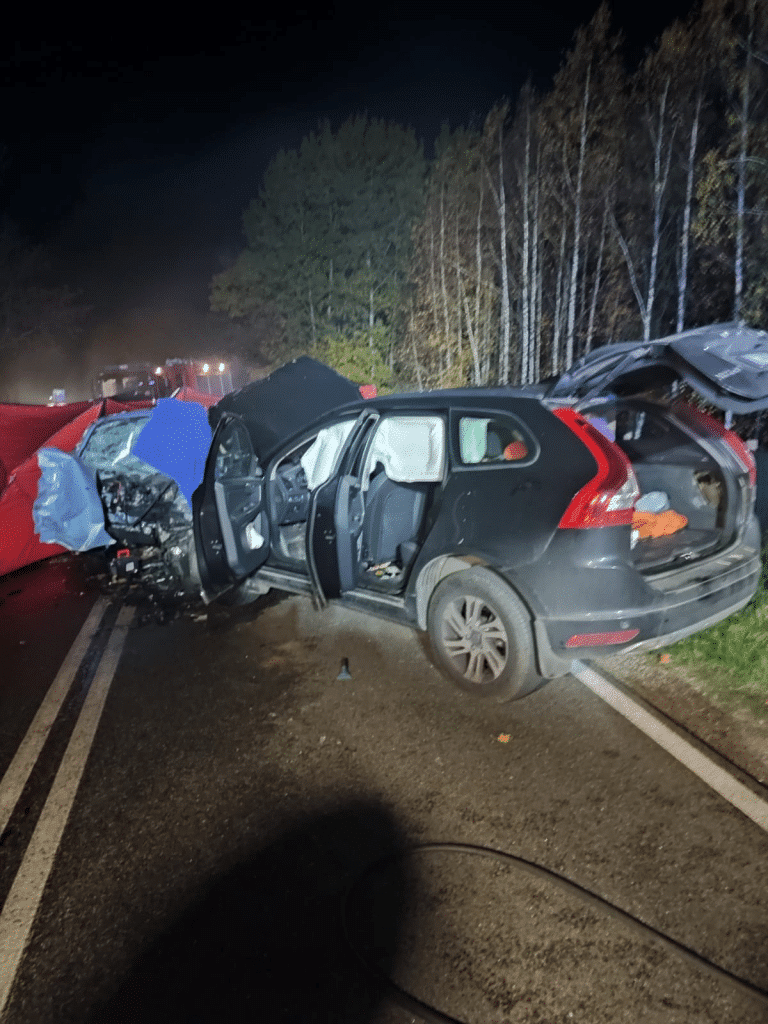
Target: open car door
{"x":230,"y":521}
{"x":371,"y":509}
{"x":336,"y":513}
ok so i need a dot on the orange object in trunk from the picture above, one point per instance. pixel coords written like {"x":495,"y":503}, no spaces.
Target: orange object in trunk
{"x":657,"y":524}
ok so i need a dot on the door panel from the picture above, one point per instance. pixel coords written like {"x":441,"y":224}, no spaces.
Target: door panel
{"x":231,"y":526}
{"x":336,"y":519}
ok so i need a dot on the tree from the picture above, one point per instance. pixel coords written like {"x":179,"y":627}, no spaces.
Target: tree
{"x":328,"y":240}
{"x":732,"y":192}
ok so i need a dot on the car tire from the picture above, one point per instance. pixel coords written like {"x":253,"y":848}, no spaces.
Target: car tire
{"x":480,"y":633}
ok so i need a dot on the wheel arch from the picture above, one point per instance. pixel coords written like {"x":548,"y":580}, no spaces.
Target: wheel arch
{"x":549,"y":665}
{"x":447,"y":565}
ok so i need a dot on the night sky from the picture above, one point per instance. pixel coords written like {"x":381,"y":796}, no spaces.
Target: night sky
{"x":134,"y":152}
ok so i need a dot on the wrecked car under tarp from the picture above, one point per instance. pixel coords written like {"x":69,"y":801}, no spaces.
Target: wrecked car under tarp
{"x":49,"y":501}
{"x":142,"y":466}
{"x":142,"y":461}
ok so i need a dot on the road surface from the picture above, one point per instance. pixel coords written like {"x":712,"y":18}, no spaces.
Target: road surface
{"x":233,"y":788}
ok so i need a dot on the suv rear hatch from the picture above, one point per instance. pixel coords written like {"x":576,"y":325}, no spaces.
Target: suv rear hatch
{"x":698,"y":491}
{"x":696,"y":479}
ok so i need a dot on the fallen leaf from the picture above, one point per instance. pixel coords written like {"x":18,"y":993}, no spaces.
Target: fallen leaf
{"x":665,"y":658}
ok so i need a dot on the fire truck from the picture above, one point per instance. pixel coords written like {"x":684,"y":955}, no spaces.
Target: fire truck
{"x":211,"y":376}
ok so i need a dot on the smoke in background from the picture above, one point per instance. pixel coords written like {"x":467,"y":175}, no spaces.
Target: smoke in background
{"x":138,"y":335}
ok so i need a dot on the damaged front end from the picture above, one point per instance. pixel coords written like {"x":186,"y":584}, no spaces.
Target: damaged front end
{"x":145,"y":510}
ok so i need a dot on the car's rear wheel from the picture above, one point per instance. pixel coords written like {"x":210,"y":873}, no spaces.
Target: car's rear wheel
{"x":481,"y":635}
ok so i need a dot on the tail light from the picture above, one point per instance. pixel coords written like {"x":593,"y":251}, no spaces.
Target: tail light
{"x":709,"y":425}
{"x":609,"y":497}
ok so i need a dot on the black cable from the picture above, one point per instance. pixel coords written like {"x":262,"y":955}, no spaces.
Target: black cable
{"x":434,"y":1016}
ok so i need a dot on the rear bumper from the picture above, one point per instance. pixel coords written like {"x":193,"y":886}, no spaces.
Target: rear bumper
{"x":679,"y":603}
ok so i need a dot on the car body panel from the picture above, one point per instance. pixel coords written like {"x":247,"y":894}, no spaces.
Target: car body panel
{"x":727,"y":364}
{"x":229,"y":509}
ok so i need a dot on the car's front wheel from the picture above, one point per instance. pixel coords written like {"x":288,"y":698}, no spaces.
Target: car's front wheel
{"x":481,"y":635}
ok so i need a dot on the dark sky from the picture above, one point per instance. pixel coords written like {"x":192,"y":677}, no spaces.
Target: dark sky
{"x":134,"y":150}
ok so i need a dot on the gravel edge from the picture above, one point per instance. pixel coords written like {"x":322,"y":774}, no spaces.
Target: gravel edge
{"x":676,"y":692}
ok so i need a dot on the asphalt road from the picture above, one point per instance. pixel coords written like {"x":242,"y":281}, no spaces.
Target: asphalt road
{"x":236,"y":788}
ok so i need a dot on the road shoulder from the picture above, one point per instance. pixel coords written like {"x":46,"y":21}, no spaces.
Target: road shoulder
{"x":676,"y":691}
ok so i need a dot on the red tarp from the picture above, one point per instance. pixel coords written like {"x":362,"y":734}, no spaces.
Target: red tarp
{"x":19,"y":544}
{"x":23,"y":430}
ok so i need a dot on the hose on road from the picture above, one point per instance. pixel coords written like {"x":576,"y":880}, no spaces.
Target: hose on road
{"x":434,"y":1016}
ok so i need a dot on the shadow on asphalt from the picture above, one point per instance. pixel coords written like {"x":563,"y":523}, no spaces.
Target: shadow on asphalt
{"x":266,"y":942}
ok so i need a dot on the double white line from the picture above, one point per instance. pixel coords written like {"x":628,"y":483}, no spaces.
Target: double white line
{"x":18,"y":913}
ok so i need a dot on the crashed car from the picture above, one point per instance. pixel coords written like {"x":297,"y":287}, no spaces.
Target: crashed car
{"x":503,"y":521}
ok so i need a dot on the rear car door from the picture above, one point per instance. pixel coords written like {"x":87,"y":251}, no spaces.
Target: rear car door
{"x":230,"y":520}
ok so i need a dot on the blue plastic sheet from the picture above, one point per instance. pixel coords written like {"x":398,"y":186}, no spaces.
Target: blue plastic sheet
{"x":176,"y":441}
{"x":67,"y":510}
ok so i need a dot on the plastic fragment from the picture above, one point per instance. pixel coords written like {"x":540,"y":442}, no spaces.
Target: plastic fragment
{"x":503,"y":737}
{"x":665,"y":658}
{"x":344,"y":673}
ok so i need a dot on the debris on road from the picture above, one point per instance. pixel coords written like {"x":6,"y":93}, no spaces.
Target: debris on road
{"x":344,"y":673}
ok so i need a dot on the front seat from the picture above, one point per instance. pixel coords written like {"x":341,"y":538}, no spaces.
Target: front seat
{"x":393,"y":514}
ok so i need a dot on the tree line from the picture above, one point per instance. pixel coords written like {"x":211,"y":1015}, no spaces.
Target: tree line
{"x":624,"y":202}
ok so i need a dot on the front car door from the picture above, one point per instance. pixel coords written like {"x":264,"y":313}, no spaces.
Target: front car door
{"x":336,"y":517}
{"x":372,"y":509}
{"x":229,"y":513}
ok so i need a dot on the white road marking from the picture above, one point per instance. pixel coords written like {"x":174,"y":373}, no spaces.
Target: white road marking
{"x":18,"y":913}
{"x":707,"y":770}
{"x":25,"y":758}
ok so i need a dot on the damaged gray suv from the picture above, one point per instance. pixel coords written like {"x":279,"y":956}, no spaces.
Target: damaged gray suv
{"x":520,"y":527}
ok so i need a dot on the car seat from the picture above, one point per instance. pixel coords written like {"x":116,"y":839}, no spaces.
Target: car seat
{"x":393,"y":514}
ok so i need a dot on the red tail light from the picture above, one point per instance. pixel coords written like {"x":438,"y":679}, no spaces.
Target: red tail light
{"x":709,"y":425}
{"x":609,"y":497}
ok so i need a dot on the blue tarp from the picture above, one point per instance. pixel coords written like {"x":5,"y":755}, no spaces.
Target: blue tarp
{"x":175,"y":442}
{"x":67,"y":510}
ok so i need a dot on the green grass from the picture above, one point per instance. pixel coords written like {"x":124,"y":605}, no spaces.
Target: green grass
{"x":731,"y":658}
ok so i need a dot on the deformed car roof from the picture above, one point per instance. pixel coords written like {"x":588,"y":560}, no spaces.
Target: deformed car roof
{"x":289,"y":399}
{"x":727,"y":364}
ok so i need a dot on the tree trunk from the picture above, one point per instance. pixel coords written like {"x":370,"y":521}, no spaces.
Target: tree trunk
{"x":738,"y":266}
{"x":660,"y":176}
{"x":505,"y":324}
{"x":596,"y":282}
{"x":558,"y":304}
{"x":685,"y":235}
{"x":479,"y":267}
{"x":577,"y":227}
{"x":443,"y":285}
{"x":525,"y":270}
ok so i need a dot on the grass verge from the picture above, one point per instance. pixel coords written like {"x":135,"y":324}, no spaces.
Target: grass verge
{"x":731,"y":658}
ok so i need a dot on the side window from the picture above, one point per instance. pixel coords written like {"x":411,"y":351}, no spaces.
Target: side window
{"x":234,"y":456}
{"x":489,"y":439}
